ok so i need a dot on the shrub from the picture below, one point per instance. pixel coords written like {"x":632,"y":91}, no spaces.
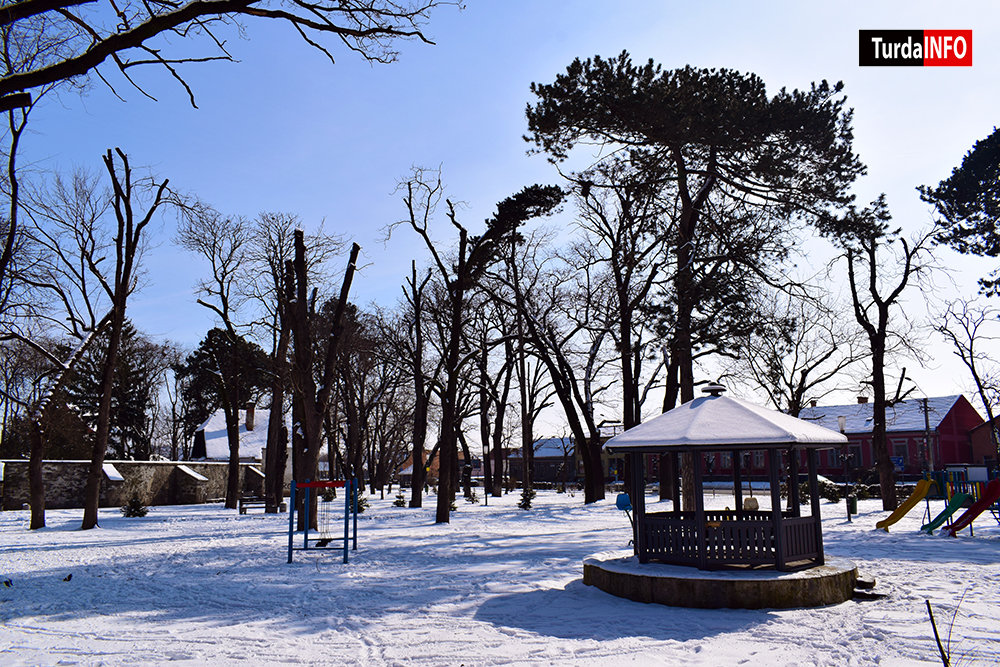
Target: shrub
{"x":830,"y":492}
{"x":400,"y":500}
{"x":363,"y":503}
{"x":134,"y":507}
{"x":527,"y":495}
{"x":472,"y":497}
{"x":330,"y":493}
{"x":861,"y":492}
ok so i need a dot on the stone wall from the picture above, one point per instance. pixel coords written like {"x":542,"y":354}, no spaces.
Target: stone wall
{"x":155,"y":482}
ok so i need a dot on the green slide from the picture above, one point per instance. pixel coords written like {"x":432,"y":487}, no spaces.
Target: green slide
{"x":923,"y":486}
{"x":954,"y":505}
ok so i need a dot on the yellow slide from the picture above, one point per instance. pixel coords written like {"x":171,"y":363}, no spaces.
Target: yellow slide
{"x":923,"y":486}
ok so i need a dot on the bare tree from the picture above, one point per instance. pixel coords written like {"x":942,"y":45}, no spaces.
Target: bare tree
{"x":798,"y":353}
{"x":968,"y":328}
{"x":877,"y":286}
{"x":265,"y":281}
{"x":138,"y":34}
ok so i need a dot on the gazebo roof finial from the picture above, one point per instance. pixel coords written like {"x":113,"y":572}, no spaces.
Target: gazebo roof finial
{"x":713,"y":389}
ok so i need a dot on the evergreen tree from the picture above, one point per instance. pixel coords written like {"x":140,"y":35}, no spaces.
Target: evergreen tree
{"x":969,"y":204}
{"x":137,"y":376}
{"x":242,"y":364}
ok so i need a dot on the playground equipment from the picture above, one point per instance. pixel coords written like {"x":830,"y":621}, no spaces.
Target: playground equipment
{"x":324,"y":519}
{"x":923,"y":486}
{"x":989,"y":496}
{"x":953,"y":506}
{"x":625,"y":505}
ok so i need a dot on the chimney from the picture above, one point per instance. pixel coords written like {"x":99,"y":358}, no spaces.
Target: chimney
{"x":812,"y":403}
{"x":862,"y":400}
{"x":250,"y":408}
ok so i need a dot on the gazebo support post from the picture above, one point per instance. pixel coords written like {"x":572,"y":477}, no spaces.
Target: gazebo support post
{"x":814,"y":500}
{"x":675,"y":466}
{"x":774,"y":465}
{"x":738,"y":483}
{"x":699,"y":511}
{"x":637,"y":488}
{"x":794,"y":503}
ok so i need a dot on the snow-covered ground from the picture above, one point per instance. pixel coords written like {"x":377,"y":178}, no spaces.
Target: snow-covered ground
{"x":200,"y":585}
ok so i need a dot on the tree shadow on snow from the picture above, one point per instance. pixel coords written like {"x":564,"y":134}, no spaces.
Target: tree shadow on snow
{"x":583,"y":612}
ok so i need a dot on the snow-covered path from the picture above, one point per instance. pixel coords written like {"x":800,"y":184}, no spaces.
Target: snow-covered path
{"x":201,"y":585}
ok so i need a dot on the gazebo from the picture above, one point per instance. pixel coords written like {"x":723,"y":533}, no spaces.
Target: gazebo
{"x":718,"y":539}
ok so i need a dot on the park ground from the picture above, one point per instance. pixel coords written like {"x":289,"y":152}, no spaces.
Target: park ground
{"x":201,"y":585}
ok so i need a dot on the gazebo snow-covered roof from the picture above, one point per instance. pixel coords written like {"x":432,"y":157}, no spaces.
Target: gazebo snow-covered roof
{"x":744,"y":536}
{"x":720,"y":422}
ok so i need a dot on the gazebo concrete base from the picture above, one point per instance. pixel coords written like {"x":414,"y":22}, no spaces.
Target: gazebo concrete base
{"x":620,"y":573}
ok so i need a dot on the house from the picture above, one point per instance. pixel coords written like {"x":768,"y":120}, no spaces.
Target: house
{"x":404,"y":472}
{"x":211,"y":439}
{"x":553,"y":461}
{"x":932,"y":430}
{"x":984,"y":452}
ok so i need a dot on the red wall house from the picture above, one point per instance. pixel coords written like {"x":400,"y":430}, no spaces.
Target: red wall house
{"x":950,"y":420}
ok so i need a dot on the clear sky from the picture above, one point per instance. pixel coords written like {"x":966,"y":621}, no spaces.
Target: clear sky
{"x":286,"y":130}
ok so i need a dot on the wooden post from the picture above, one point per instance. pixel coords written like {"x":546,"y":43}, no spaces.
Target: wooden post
{"x":814,"y":498}
{"x":738,"y":482}
{"x":773,"y":465}
{"x":675,"y":487}
{"x":638,"y":486}
{"x":793,"y":482}
{"x":699,"y":511}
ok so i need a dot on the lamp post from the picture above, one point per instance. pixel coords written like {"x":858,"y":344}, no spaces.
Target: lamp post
{"x":842,"y":423}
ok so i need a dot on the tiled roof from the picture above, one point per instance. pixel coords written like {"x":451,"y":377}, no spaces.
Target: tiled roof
{"x":904,"y":416}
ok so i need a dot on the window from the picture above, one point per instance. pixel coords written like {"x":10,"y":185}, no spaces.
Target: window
{"x":727,"y":460}
{"x":758,"y":460}
{"x":901,"y":449}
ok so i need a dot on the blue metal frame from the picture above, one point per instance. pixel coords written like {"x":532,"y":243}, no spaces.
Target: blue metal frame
{"x":350,"y":487}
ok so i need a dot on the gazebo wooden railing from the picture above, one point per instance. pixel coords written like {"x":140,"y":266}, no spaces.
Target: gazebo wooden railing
{"x":672,"y":537}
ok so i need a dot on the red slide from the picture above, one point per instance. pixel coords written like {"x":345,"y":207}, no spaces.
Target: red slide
{"x":990,"y":495}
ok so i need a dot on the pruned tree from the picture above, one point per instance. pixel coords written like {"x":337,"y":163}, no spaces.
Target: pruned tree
{"x":312,"y":399}
{"x":969,"y":205}
{"x":265,"y":281}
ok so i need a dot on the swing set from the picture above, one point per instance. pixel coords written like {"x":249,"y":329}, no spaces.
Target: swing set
{"x":324,"y":517}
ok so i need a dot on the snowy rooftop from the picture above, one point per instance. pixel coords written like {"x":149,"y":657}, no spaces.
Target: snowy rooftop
{"x":552,"y":447}
{"x":904,"y":416}
{"x":251,"y":442}
{"x":716,"y":421}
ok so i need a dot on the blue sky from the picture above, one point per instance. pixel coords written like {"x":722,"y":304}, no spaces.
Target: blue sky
{"x":285,"y":130}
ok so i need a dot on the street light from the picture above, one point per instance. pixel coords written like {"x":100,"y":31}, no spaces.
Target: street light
{"x":842,"y":423}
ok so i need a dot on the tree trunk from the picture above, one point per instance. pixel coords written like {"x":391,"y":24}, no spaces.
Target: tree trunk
{"x":36,"y":485}
{"x":92,"y":492}
{"x":880,"y":444}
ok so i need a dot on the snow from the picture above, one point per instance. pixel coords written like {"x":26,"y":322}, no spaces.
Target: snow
{"x":721,"y":421}
{"x":199,"y":585}
{"x":112,"y":473}
{"x":251,"y":442}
